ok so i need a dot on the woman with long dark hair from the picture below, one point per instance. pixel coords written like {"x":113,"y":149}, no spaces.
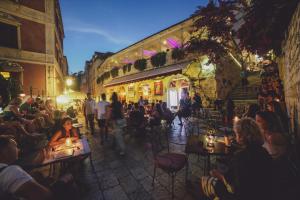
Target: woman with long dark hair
{"x":116,"y":117}
{"x":66,"y":131}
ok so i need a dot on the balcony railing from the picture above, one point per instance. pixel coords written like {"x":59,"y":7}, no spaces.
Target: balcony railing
{"x":169,"y":61}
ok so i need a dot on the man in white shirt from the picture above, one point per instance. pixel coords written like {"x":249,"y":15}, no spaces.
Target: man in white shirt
{"x":90,"y":109}
{"x":14,"y":181}
{"x":101,"y":108}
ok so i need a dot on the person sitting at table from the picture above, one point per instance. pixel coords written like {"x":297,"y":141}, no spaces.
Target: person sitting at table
{"x":249,"y":174}
{"x":275,"y":140}
{"x":66,"y":131}
{"x":156,"y":115}
{"x":167,"y":113}
{"x":14,"y":181}
{"x":136,"y":118}
{"x":11,"y":113}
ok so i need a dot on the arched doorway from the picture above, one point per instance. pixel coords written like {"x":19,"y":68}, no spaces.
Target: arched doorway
{"x":179,"y":85}
{"x":122,"y":94}
{"x":144,"y":90}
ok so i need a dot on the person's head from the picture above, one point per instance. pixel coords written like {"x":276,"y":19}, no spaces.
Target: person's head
{"x":141,"y":97}
{"x":103,"y":96}
{"x":252,"y":110}
{"x":158,"y":108}
{"x":141,"y":108}
{"x":89,"y":95}
{"x":136,"y":106}
{"x":30,"y":100}
{"x":114,"y":97}
{"x":9,"y":151}
{"x":164,"y":105}
{"x":67,"y":123}
{"x":247,"y":132}
{"x":269,"y":122}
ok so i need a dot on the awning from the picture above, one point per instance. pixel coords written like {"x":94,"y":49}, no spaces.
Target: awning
{"x":7,"y":66}
{"x":171,"y":69}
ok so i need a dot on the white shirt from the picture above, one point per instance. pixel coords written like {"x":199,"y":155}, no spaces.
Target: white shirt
{"x":90,"y":106}
{"x":12,"y":178}
{"x":101,"y":105}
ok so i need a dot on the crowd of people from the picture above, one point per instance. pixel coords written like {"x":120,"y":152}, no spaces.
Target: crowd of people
{"x":28,"y":127}
{"x":265,"y":164}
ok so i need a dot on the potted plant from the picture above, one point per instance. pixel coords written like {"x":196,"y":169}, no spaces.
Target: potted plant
{"x":127,"y":68}
{"x":140,"y":64}
{"x":178,"y":54}
{"x":159,"y":59}
{"x":114,"y":72}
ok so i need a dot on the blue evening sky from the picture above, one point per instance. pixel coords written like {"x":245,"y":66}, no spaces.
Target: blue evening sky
{"x":111,"y":25}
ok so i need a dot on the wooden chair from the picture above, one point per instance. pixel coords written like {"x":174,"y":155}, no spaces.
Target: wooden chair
{"x":170,"y":163}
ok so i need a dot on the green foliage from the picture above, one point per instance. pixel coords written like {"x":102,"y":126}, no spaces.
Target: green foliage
{"x":159,"y":59}
{"x":265,"y":25}
{"x":213,"y":33}
{"x":114,"y":72}
{"x":140,"y":64}
{"x":178,"y":54}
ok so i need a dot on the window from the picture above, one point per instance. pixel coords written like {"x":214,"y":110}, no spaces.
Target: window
{"x":8,"y":35}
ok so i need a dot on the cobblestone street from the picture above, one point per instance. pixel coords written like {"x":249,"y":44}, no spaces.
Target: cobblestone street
{"x":130,"y":176}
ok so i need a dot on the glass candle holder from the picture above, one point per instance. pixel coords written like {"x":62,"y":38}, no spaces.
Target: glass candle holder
{"x":68,"y":142}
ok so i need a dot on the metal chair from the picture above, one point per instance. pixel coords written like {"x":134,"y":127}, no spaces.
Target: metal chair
{"x":170,"y":163}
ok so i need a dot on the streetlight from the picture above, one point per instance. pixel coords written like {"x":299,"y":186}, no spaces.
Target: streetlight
{"x":69,"y":82}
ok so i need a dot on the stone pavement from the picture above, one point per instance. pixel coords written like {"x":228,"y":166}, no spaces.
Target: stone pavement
{"x":129,"y":177}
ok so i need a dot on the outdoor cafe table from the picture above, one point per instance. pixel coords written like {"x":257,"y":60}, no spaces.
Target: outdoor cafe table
{"x":218,"y":148}
{"x":60,"y":154}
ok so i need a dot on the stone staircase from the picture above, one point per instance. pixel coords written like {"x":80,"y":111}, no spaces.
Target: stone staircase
{"x":250,"y":92}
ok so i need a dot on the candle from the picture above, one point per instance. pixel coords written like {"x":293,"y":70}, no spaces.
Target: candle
{"x":68,"y":142}
{"x":236,"y":118}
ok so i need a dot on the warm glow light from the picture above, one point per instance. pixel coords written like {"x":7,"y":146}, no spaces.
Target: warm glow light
{"x":62,"y":99}
{"x":68,"y":142}
{"x":22,"y":95}
{"x":236,"y":118}
{"x":69,"y":82}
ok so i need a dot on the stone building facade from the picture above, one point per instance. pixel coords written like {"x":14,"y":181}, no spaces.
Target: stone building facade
{"x":166,"y":82}
{"x":32,"y":34}
{"x":289,"y":64}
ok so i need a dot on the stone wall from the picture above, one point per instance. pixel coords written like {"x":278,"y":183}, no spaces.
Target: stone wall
{"x":289,"y":64}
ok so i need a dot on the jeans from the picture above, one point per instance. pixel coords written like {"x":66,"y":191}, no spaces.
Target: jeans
{"x":90,"y":118}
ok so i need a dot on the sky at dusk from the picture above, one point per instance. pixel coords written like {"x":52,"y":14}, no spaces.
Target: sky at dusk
{"x":111,"y":25}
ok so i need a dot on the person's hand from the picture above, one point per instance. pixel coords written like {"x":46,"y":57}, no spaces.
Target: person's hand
{"x":217,"y":174}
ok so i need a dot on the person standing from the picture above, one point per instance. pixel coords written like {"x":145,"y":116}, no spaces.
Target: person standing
{"x":116,"y":117}
{"x":184,"y":107}
{"x":90,"y":109}
{"x":141,"y":101}
{"x":101,"y":109}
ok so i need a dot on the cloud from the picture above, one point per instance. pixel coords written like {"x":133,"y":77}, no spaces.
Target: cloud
{"x":90,"y":29}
